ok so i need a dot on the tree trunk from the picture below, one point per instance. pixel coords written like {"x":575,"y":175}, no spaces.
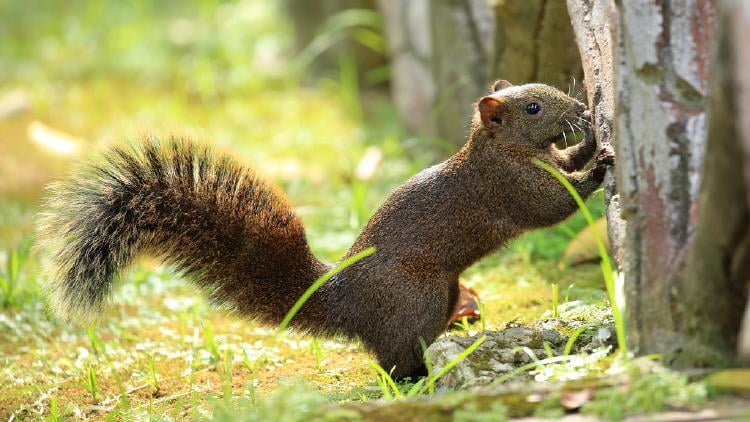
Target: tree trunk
{"x":595,"y":26}
{"x":714,"y":281}
{"x":685,"y":256}
{"x":446,"y":52}
{"x":736,"y":27}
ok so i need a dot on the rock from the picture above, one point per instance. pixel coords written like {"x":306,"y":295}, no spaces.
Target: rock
{"x":501,"y":352}
{"x":604,"y":336}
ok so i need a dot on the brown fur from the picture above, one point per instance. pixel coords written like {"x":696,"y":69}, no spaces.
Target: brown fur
{"x":238,"y":238}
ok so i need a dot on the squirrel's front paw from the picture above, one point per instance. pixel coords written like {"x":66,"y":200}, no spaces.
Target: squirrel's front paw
{"x":606,"y":156}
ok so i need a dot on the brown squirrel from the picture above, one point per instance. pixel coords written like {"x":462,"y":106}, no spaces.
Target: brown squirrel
{"x":237,"y":237}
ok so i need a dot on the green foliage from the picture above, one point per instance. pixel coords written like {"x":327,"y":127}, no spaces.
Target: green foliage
{"x":291,"y":402}
{"x":55,"y":413}
{"x":497,"y":412}
{"x":97,"y":345}
{"x":15,"y":288}
{"x":210,"y":342}
{"x":654,"y":391}
{"x":317,"y":351}
{"x":205,"y":47}
{"x":152,"y":378}
{"x":389,"y":388}
{"x":359,"y":25}
{"x":89,"y":382}
{"x":555,"y":299}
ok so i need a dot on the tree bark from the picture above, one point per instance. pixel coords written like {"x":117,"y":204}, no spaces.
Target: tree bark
{"x":444,"y":54}
{"x":595,"y":26}
{"x":681,"y":234}
{"x":664,"y":51}
{"x":736,"y":17}
{"x":714,"y":282}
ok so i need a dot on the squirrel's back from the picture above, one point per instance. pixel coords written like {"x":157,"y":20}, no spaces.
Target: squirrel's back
{"x":219,"y":224}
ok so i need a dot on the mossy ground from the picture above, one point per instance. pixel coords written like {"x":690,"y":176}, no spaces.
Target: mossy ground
{"x":98,"y":74}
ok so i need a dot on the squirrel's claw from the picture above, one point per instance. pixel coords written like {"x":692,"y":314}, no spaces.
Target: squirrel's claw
{"x":606,"y":156}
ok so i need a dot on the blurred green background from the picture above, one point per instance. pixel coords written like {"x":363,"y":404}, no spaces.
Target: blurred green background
{"x":89,"y":74}
{"x":309,"y":107}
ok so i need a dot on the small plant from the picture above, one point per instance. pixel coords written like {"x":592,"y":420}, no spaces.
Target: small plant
{"x":649,"y":392}
{"x":317,"y":351}
{"x":55,"y":413}
{"x":12,"y":292}
{"x":97,"y":345}
{"x":572,"y":340}
{"x":482,"y":315}
{"x":463,"y":324}
{"x":618,"y":307}
{"x":227,"y":372}
{"x":388,"y":387}
{"x":555,"y":300}
{"x":251,"y":365}
{"x":210,"y":342}
{"x":152,"y":378}
{"x":290,"y":402}
{"x":89,"y":381}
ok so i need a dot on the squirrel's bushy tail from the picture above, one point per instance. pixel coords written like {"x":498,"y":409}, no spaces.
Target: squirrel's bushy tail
{"x":233,"y":234}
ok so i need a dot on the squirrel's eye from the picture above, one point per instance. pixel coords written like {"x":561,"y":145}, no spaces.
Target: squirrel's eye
{"x":533,"y":108}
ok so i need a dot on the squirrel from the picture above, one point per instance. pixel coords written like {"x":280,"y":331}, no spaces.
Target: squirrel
{"x":237,"y":237}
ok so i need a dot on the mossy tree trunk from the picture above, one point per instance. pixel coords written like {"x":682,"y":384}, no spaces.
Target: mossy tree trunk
{"x":444,"y":53}
{"x":678,"y":210}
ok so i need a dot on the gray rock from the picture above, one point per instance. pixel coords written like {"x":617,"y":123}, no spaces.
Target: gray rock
{"x":502,"y":352}
{"x":505,"y":351}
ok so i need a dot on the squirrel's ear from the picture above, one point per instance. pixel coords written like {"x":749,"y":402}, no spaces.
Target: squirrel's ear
{"x":491,"y":110}
{"x":500,"y":84}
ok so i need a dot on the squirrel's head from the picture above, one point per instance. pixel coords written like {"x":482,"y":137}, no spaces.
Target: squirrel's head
{"x":534,"y":114}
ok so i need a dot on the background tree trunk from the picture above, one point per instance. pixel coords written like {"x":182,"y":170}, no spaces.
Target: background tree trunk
{"x":444,"y":53}
{"x":735,"y":24}
{"x":715,"y":276}
{"x":685,"y":257}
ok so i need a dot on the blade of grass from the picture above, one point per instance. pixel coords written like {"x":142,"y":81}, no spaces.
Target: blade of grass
{"x":572,"y":340}
{"x":606,"y":264}
{"x":386,"y":383}
{"x":319,"y":282}
{"x":555,"y":299}
{"x":430,"y":384}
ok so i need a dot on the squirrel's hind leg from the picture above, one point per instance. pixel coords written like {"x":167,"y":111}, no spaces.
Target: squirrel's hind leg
{"x":399,"y":343}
